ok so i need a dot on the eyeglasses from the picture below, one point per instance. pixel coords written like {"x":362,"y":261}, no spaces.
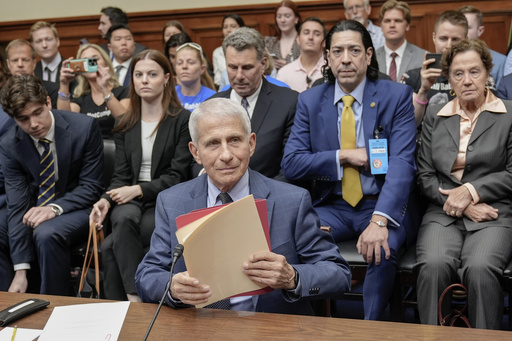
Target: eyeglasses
{"x":192,"y":45}
{"x":358,"y":8}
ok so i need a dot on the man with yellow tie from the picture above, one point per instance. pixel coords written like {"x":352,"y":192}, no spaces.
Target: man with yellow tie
{"x":355,"y":137}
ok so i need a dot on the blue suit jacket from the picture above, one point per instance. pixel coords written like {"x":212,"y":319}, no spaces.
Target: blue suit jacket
{"x":505,"y":87}
{"x":80,"y":165}
{"x":294,"y":233}
{"x":310,"y":153}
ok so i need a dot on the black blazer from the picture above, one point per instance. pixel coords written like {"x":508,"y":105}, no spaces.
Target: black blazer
{"x":170,"y":159}
{"x":272,"y":122}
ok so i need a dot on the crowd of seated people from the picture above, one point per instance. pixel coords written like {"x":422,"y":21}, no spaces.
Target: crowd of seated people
{"x":360,"y":117}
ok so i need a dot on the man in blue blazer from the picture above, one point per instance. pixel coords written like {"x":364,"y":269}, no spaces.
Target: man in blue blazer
{"x":374,"y":204}
{"x":304,"y":262}
{"x":50,"y":227}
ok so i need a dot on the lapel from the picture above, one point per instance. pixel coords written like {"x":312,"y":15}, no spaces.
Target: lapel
{"x":329,"y":116}
{"x":128,"y":77}
{"x":482,"y":125}
{"x":381,"y":59}
{"x":262,"y":106}
{"x":57,"y":79}
{"x":30,"y":154}
{"x":134,"y":147}
{"x":38,"y":71}
{"x":452,"y":125}
{"x":198,"y":193}
{"x":406,"y":60}
{"x":259,"y":190}
{"x":63,"y":143}
{"x":370,"y":107}
{"x":160,"y":142}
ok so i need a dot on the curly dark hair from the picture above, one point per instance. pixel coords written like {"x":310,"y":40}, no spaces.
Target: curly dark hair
{"x":479,"y":46}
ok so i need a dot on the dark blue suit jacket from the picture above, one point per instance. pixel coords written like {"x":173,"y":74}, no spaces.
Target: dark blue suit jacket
{"x":80,"y":168}
{"x":294,"y":233}
{"x":505,"y":87}
{"x":310,"y":153}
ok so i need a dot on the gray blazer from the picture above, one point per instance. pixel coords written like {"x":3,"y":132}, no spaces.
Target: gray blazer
{"x":488,"y":163}
{"x":413,"y":58}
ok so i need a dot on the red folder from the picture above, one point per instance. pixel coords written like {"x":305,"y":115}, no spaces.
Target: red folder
{"x":261,"y":206}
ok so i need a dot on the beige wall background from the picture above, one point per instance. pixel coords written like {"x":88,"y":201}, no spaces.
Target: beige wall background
{"x":42,"y":9}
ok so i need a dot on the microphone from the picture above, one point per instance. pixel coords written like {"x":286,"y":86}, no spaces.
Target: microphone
{"x":176,"y":254}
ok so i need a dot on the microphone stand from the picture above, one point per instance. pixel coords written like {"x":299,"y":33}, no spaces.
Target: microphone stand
{"x":176,"y":254}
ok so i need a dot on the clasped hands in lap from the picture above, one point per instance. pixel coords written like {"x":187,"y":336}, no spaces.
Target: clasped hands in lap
{"x":265,"y":268}
{"x":459,"y":203}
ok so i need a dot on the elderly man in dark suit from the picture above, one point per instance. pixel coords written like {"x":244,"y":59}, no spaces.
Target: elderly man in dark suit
{"x":52,"y":162}
{"x":304,"y":263}
{"x":270,"y":107}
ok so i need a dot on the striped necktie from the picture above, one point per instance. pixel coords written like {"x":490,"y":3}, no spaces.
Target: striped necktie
{"x":392,"y":67}
{"x":46,"y":175}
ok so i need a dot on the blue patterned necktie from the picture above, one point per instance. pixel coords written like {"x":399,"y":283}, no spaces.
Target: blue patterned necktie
{"x":224,"y":304}
{"x":245,"y":104}
{"x":46,"y":175}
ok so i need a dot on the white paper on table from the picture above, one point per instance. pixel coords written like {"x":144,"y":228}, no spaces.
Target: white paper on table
{"x":22,"y":334}
{"x":87,"y":322}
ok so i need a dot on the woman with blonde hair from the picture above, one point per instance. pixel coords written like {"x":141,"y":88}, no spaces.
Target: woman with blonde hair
{"x":151,"y":155}
{"x":96,"y":94}
{"x":195,"y":84}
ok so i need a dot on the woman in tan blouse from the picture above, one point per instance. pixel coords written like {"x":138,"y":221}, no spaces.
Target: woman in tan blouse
{"x":465,"y":174}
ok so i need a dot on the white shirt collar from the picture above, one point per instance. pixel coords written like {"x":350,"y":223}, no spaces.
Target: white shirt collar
{"x":50,"y":136}
{"x":240,"y":190}
{"x":251,"y":100}
{"x":126,"y":63}
{"x":53,"y":64}
{"x":399,"y":51}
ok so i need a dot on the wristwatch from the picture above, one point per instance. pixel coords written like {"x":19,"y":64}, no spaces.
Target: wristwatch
{"x":108,"y":97}
{"x":379,"y":223}
{"x":55,"y":210}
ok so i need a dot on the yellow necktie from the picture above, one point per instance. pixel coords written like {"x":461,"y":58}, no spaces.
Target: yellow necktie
{"x":351,"y":182}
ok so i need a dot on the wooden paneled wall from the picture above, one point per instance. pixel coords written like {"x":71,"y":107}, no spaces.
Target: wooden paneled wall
{"x":203,"y":25}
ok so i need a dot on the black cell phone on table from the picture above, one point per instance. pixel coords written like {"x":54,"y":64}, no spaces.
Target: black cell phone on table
{"x":21,"y":309}
{"x":437,"y":63}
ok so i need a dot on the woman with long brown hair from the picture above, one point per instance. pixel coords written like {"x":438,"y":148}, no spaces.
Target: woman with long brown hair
{"x":283,"y":47}
{"x":151,"y":155}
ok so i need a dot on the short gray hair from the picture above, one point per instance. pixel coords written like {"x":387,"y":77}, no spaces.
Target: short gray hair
{"x":366,"y":3}
{"x":244,"y":38}
{"x":221,"y":107}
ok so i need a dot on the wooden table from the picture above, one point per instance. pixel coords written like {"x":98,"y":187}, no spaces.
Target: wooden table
{"x":210,"y":324}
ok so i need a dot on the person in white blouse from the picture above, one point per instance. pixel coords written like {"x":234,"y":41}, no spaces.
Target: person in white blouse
{"x":230,"y":22}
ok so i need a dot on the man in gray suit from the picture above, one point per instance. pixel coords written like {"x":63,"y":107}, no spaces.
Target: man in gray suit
{"x":397,"y":56}
{"x":270,"y":107}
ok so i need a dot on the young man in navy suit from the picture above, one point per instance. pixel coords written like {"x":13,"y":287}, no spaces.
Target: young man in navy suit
{"x":346,"y":133}
{"x":52,"y":162}
{"x":303,"y":263}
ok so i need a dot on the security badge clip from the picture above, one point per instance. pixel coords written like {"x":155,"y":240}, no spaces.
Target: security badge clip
{"x":378,"y":153}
